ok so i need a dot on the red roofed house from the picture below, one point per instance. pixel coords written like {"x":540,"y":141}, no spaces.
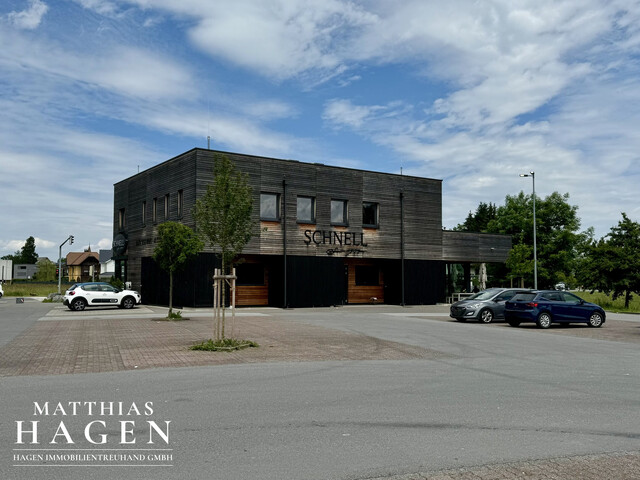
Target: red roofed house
{"x":83,"y":266}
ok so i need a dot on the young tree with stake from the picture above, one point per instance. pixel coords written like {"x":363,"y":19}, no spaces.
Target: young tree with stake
{"x":223,"y":214}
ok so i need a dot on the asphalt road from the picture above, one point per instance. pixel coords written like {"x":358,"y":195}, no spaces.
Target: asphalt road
{"x":498,"y":395}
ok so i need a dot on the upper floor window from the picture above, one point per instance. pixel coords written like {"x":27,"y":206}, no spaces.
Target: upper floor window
{"x":144,"y":213}
{"x":180,"y":202}
{"x":270,"y":207}
{"x":122,"y":220}
{"x":306,"y":211}
{"x":369,"y":214}
{"x":154,"y":212}
{"x":166,"y":207}
{"x":339,"y":212}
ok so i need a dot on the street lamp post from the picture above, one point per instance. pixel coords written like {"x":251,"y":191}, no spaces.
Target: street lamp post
{"x":532,"y":174}
{"x":70,"y":240}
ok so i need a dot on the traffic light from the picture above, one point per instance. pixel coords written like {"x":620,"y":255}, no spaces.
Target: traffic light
{"x":70,"y":239}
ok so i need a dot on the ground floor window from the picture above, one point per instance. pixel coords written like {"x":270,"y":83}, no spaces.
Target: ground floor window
{"x":367,"y":275}
{"x":250,"y":274}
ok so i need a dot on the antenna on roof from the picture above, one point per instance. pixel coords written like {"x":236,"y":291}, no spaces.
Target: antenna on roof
{"x":208,"y":127}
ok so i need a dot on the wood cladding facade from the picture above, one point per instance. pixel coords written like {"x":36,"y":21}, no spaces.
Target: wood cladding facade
{"x":409,"y":224}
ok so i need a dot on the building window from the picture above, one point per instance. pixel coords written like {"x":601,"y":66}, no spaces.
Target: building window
{"x":180,"y":202}
{"x":270,"y":207}
{"x":369,"y":214}
{"x":144,"y":213}
{"x":367,"y":275}
{"x":339,"y":212}
{"x":306,"y":212}
{"x":166,"y":207}
{"x":250,"y":274}
{"x":121,"y":218}
{"x":154,"y":213}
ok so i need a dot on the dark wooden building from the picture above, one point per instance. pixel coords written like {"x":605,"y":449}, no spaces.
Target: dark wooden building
{"x":323,"y":235}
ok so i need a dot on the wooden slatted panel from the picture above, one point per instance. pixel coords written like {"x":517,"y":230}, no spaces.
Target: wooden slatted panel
{"x":475,"y":247}
{"x":251,"y":295}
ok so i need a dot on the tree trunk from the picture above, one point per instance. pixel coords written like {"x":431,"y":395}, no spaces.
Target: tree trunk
{"x":627,"y":299}
{"x":170,"y":293}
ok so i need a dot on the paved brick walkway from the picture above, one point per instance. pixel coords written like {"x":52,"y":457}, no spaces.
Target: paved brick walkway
{"x":111,"y":342}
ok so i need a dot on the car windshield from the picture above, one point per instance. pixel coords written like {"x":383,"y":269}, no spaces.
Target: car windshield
{"x":484,"y":295}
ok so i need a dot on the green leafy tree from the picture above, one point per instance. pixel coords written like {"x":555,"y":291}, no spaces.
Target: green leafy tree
{"x":479,"y":221}
{"x":177,"y":243}
{"x":612,"y":264}
{"x":557,"y":236}
{"x":223,"y":214}
{"x":520,"y":261}
{"x":28,"y":253}
{"x":46,"y":270}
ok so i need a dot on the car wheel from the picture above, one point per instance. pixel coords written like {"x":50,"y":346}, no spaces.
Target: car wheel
{"x":486,"y":316}
{"x":544,"y":320}
{"x":128,"y":302}
{"x":513,"y":323}
{"x":78,"y":305}
{"x":595,"y":320}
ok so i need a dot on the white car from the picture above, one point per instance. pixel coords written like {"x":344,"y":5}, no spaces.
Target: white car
{"x":99,"y":294}
{"x":1,"y":291}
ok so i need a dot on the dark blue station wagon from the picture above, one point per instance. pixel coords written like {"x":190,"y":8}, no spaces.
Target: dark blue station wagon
{"x":545,"y":307}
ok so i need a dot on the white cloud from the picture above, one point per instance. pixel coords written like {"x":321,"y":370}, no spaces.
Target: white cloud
{"x":44,"y":244}
{"x":29,"y":19}
{"x":126,"y":70}
{"x":103,"y":7}
{"x":104,"y":244}
{"x":342,"y":112}
{"x":12,"y":245}
{"x":279,"y":39}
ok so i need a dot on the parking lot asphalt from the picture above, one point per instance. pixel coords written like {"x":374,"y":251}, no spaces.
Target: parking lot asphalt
{"x":101,"y":340}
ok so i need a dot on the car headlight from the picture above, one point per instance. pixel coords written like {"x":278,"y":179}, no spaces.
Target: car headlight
{"x":475,"y":305}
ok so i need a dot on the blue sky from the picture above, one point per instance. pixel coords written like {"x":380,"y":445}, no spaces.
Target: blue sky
{"x":470,"y":92}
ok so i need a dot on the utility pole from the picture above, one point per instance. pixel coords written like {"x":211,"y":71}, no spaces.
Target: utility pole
{"x":532,"y":174}
{"x":70,"y":240}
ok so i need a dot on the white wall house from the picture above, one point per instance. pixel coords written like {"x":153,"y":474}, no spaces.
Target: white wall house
{"x":107,"y":264}
{"x":6,"y":270}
